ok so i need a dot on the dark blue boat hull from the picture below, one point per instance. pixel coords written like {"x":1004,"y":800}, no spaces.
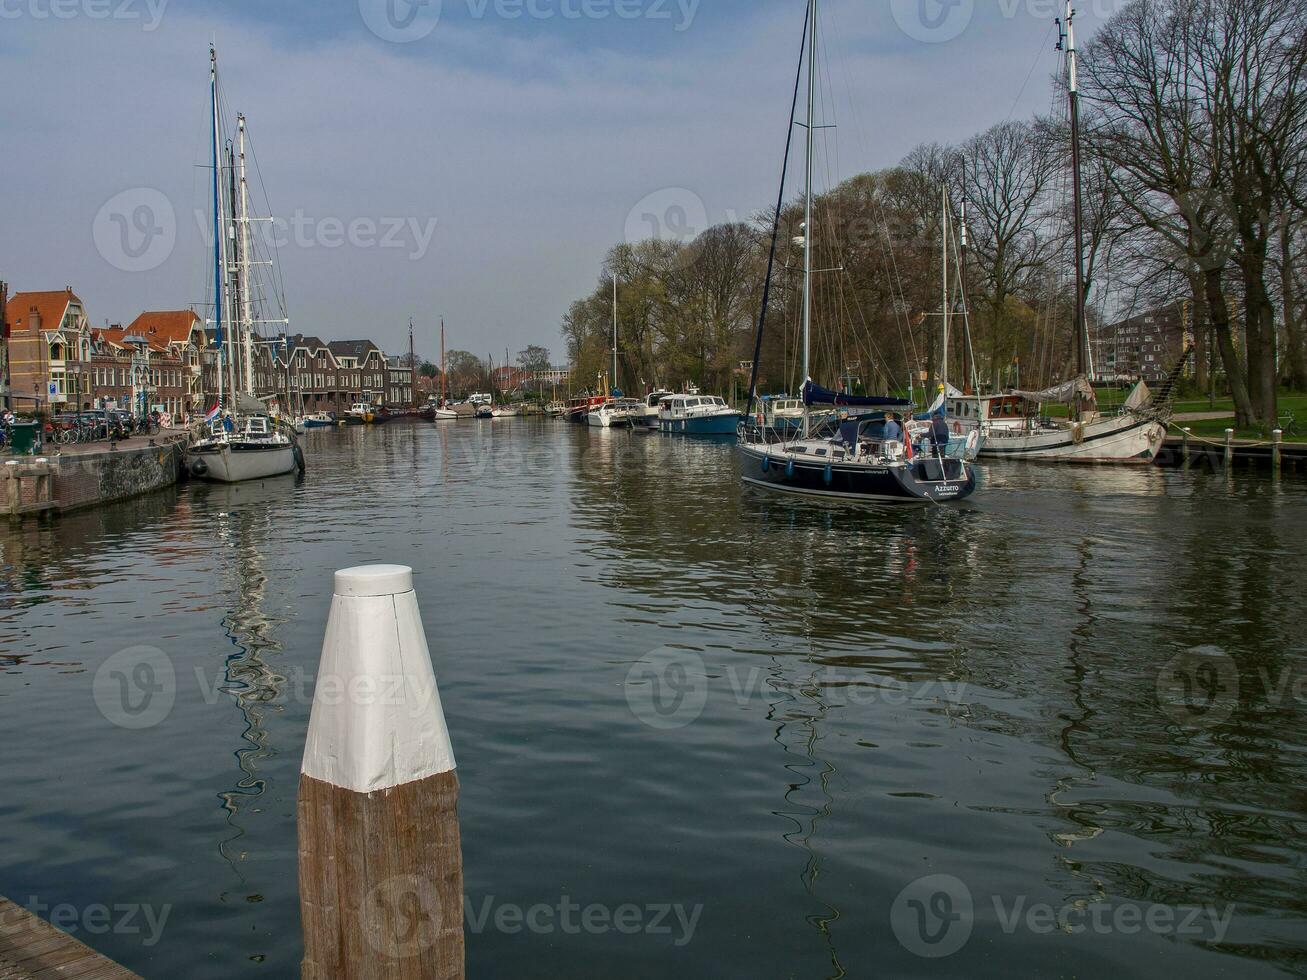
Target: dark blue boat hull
{"x":926,"y":479}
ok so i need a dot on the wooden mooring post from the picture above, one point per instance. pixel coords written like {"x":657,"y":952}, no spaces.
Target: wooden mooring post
{"x":1185,"y":448}
{"x":1229,"y":448}
{"x":1277,"y":437}
{"x":39,"y":476}
{"x":380,"y":858}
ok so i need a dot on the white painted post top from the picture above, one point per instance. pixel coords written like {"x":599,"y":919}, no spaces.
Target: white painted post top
{"x":377,"y":721}
{"x":374,"y":580}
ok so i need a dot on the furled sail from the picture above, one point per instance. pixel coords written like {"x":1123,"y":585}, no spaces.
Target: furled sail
{"x":1063,"y":394}
{"x":815,"y":394}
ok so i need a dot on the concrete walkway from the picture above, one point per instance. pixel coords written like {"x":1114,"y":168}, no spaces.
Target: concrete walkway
{"x":1201,"y":416}
{"x":54,"y":450}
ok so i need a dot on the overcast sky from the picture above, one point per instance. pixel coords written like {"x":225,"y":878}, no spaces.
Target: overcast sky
{"x":471,"y":158}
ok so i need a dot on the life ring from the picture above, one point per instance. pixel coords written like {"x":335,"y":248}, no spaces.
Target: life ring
{"x":1078,"y":433}
{"x":199,"y":467}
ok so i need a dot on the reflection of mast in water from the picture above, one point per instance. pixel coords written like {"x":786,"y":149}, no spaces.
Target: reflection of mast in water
{"x":804,"y":816}
{"x":247,"y":678}
{"x":1078,"y":724}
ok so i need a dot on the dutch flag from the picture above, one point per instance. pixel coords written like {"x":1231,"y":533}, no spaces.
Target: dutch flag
{"x":212,"y":414}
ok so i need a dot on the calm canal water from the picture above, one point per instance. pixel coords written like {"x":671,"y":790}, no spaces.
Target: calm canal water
{"x":1060,"y":730}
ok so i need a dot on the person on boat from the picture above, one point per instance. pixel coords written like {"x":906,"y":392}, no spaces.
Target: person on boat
{"x":939,"y":434}
{"x":893,"y":432}
{"x":228,"y":423}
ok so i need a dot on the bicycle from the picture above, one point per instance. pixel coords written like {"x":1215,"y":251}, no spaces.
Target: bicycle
{"x":1288,"y":424}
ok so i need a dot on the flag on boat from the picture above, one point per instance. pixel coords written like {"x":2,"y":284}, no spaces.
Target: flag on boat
{"x":907,"y":441}
{"x":212,"y":413}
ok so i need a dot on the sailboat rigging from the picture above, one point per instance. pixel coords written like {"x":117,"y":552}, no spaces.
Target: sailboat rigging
{"x":866,"y":457}
{"x":1011,"y":423}
{"x":238,"y":439}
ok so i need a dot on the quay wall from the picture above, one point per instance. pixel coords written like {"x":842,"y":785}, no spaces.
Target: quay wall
{"x":84,"y":479}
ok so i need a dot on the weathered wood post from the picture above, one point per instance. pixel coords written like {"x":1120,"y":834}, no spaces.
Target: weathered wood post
{"x":1229,"y":448}
{"x":380,"y":861}
{"x":1277,"y":437}
{"x":1185,"y":448}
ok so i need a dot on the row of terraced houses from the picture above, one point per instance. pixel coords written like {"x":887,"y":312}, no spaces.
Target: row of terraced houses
{"x":53,"y":360}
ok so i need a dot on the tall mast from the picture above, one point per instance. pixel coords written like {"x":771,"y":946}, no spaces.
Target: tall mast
{"x":807,"y":209}
{"x":614,"y":378}
{"x":247,"y":315}
{"x":412,"y":369}
{"x":944,"y":228}
{"x":1082,"y":332}
{"x":442,"y":362}
{"x":967,"y":366}
{"x":219,"y":241}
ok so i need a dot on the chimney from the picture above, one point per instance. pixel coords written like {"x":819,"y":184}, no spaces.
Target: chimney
{"x":34,"y":321}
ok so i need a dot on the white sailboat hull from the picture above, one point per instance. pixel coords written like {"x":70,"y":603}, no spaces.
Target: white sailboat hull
{"x":445,"y":415}
{"x":237,"y":464}
{"x":1119,"y":439}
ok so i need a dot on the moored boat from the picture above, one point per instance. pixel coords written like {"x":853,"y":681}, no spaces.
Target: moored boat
{"x":697,"y":415}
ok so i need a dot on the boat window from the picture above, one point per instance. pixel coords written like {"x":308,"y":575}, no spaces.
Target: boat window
{"x":821,"y":452}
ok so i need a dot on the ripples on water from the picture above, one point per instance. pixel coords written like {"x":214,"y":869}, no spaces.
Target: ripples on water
{"x":890,"y":694}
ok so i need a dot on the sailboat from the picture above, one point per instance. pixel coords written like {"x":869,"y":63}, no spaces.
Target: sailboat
{"x":238,"y":439}
{"x":1011,"y":422}
{"x":443,"y":414}
{"x":861,"y":459}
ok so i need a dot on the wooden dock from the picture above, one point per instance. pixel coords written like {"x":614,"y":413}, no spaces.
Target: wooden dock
{"x":1194,"y":452}
{"x":32,"y":949}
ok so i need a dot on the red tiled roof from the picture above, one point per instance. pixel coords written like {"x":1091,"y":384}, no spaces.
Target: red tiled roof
{"x":166,"y":326}
{"x":51,"y":306}
{"x":116,"y":336}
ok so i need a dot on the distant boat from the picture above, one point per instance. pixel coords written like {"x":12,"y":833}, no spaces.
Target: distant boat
{"x":697,"y":415}
{"x":614,"y":413}
{"x":360,"y":413}
{"x":504,"y":412}
{"x":647,"y":415}
{"x":555,"y":409}
{"x":319,"y":420}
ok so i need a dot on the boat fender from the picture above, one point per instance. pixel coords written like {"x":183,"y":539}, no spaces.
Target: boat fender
{"x":957,"y":428}
{"x":973,"y":438}
{"x":829,"y":474}
{"x":766,"y":464}
{"x":789,"y":469}
{"x":199,"y":467}
{"x":299,"y":458}
{"x":1078,"y":433}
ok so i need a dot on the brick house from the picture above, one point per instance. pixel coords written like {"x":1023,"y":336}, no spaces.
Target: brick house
{"x":1143,"y":347}
{"x":182,"y":333}
{"x":49,"y":351}
{"x":138,"y":372}
{"x":399,"y":381}
{"x":361,"y":370}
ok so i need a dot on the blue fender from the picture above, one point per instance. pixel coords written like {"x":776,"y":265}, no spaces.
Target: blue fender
{"x":829,"y":474}
{"x":766,"y":463}
{"x":789,"y":469}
